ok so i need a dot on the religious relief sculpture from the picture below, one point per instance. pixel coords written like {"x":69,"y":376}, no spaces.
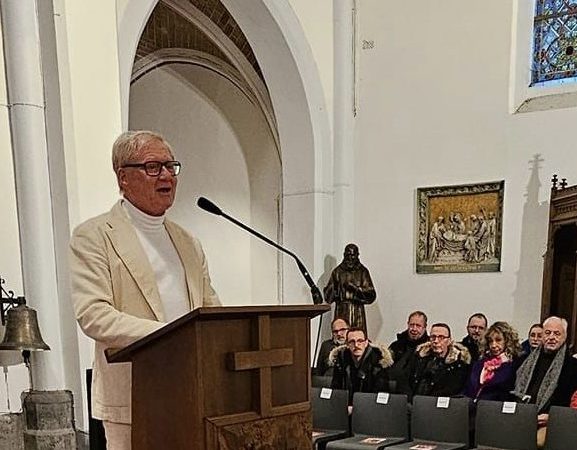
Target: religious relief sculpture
{"x":460,"y":228}
{"x":472,"y":239}
{"x":350,"y":288}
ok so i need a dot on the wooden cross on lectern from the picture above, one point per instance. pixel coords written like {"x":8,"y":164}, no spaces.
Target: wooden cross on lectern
{"x":263,"y":359}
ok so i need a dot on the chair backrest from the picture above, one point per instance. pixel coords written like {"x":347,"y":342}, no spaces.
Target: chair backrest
{"x":320,"y":381}
{"x":433,"y":420}
{"x":561,"y":428}
{"x":501,"y":427}
{"x":371,"y":415}
{"x":330,"y":413}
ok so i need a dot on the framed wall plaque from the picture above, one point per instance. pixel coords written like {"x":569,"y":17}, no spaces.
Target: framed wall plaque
{"x":459,"y":228}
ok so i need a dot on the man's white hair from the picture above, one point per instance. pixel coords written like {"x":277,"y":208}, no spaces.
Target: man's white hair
{"x":550,"y":319}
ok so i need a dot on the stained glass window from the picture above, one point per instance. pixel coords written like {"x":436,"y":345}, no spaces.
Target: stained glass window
{"x":555,"y":42}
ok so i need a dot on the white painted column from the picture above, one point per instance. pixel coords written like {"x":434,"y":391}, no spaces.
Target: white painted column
{"x":344,"y":120}
{"x":29,"y":146}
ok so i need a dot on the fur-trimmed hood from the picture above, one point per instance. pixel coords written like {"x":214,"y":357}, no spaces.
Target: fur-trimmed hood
{"x":383,"y":354}
{"x":456,"y":352}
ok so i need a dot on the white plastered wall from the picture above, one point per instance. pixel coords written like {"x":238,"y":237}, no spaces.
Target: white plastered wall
{"x":434,"y":110}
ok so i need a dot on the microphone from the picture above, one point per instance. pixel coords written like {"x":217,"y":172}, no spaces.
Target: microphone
{"x":207,"y":205}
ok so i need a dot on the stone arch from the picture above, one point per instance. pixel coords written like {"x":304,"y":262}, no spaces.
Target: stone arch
{"x":298,"y":101}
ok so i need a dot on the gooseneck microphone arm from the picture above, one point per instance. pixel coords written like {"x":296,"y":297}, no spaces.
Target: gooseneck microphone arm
{"x":210,"y":207}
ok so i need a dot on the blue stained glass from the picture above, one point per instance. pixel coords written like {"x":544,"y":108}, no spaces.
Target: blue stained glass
{"x":555,"y":41}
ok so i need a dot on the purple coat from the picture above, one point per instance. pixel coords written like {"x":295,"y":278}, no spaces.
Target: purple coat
{"x":497,"y":388}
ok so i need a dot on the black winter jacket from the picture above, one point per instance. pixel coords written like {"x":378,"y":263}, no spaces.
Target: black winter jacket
{"x":369,"y":375}
{"x":442,"y":377}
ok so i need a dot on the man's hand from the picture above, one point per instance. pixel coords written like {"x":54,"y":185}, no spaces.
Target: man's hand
{"x":353,"y":288}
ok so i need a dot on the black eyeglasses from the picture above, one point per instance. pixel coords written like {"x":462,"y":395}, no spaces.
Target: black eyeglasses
{"x":153,"y":168}
{"x":340,"y":330}
{"x":352,"y":342}
{"x":437,"y":337}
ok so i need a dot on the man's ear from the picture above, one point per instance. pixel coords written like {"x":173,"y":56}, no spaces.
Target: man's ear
{"x":121,"y":177}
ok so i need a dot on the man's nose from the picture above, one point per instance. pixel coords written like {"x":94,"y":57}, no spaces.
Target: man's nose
{"x":165,"y":173}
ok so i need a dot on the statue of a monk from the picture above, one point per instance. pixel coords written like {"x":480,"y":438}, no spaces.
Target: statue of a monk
{"x":351,"y":288}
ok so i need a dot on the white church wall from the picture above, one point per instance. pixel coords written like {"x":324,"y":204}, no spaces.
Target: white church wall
{"x":92,"y":116}
{"x":433,"y":111}
{"x":287,"y":62}
{"x":317,"y":22}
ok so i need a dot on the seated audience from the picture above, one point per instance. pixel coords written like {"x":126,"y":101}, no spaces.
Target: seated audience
{"x":493,"y":376}
{"x":534,"y":338}
{"x":339,"y":328}
{"x":439,"y":367}
{"x":548,"y":376}
{"x":476,"y":326}
{"x":404,"y":347}
{"x":360,"y":366}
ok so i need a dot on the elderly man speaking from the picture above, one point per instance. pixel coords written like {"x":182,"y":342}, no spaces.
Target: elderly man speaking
{"x":133,"y":270}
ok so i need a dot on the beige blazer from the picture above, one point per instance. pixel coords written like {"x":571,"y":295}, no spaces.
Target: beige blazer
{"x":116,"y":299}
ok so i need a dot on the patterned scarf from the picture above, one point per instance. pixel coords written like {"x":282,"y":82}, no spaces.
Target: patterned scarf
{"x":491,"y":365}
{"x":549,"y":383}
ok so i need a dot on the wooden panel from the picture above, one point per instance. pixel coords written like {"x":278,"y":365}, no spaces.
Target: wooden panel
{"x":225,"y":391}
{"x":291,"y":333}
{"x":158,"y":387}
{"x":559,"y":294}
{"x":262,"y":358}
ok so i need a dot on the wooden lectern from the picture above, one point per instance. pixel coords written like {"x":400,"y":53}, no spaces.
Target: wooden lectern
{"x":226,"y":378}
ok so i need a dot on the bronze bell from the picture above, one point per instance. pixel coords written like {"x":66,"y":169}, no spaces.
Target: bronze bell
{"x":22,"y":331}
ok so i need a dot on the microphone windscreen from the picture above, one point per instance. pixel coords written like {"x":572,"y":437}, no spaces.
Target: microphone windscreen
{"x":207,"y":205}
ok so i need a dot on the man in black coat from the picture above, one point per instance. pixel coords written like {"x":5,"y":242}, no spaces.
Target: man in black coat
{"x":360,"y":366}
{"x":339,"y":328}
{"x":476,"y":328}
{"x":404,"y":347}
{"x":414,"y":335}
{"x":548,"y":376}
{"x":439,"y":367}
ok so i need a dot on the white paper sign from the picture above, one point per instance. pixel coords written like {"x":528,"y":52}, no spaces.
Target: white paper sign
{"x":326,"y":393}
{"x":443,"y":402}
{"x":383,"y":398}
{"x":509,"y":407}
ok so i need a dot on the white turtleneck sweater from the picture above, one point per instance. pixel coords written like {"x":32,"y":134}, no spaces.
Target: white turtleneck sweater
{"x":164,"y":260}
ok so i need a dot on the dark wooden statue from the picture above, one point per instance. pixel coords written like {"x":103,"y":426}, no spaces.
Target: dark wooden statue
{"x":351,"y":288}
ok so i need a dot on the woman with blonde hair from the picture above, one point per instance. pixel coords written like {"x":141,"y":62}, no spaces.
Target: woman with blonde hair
{"x":493,"y":376}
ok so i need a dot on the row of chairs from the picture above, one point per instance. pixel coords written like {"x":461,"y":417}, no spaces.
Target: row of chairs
{"x":382,"y":421}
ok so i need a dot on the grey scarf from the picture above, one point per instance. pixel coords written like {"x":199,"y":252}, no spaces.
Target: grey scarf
{"x":549,"y":383}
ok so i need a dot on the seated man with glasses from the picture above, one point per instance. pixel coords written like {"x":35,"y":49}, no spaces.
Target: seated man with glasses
{"x":360,"y":366}
{"x":133,"y":270}
{"x":439,"y":367}
{"x":339,"y":328}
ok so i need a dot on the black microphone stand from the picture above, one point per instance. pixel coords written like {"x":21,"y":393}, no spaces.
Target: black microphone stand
{"x":207,"y":205}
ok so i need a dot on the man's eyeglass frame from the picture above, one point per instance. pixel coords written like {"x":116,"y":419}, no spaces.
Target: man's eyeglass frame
{"x":154,"y":168}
